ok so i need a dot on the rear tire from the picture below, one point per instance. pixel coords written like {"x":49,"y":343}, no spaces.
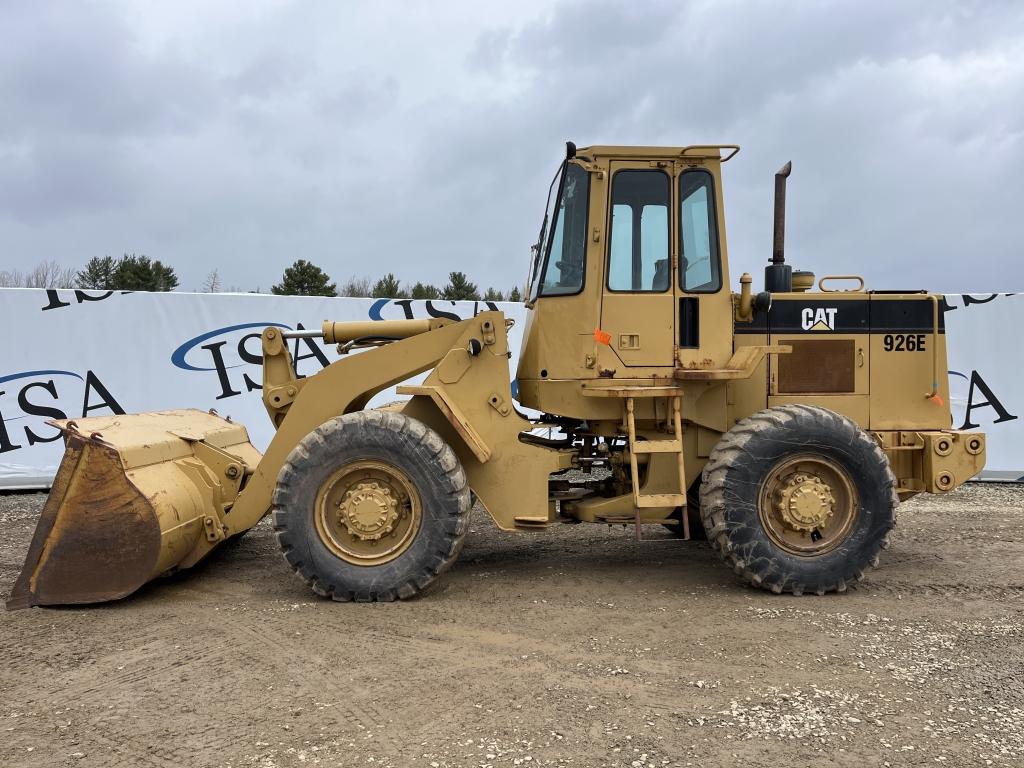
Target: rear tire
{"x":798,"y":499}
{"x":371,"y":506}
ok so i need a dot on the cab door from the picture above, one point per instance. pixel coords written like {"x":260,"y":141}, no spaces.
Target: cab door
{"x":638,"y":310}
{"x":703,"y":311}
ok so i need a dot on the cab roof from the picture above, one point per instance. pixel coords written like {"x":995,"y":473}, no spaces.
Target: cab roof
{"x":694,"y":150}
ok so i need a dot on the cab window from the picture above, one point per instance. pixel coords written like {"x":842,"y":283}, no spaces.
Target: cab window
{"x":699,"y":266}
{"x":638,"y":251}
{"x":567,"y":248}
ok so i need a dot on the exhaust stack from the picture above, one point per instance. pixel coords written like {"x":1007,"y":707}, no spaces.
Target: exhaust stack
{"x":778,"y":276}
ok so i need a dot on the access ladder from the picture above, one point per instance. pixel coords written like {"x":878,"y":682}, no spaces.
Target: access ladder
{"x":672,"y":445}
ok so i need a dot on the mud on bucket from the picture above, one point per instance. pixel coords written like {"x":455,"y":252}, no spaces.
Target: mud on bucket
{"x":135,"y":497}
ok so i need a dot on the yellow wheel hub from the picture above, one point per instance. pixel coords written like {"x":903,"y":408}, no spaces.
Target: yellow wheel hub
{"x":808,"y":505}
{"x":804,"y":502}
{"x":368,"y":512}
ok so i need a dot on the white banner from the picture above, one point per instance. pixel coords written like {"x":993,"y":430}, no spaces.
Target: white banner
{"x":985,"y":387}
{"x":73,"y":354}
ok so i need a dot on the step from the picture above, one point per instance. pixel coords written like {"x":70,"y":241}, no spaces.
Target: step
{"x":661,"y":500}
{"x":620,"y":389}
{"x":658,"y":446}
{"x":619,"y":520}
{"x":532,"y":522}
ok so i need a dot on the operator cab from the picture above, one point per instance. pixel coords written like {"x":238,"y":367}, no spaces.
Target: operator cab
{"x":631,"y":266}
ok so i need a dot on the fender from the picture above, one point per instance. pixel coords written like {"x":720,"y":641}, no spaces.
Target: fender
{"x":470,"y":377}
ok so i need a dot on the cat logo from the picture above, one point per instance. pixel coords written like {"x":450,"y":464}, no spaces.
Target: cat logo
{"x":820,"y":319}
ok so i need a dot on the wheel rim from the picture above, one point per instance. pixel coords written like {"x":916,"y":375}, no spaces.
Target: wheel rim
{"x":808,"y":505}
{"x":368,"y":513}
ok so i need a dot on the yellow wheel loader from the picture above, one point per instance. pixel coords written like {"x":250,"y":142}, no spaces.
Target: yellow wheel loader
{"x":789,"y":423}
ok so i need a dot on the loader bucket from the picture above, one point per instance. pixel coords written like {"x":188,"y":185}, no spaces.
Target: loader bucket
{"x":135,"y":497}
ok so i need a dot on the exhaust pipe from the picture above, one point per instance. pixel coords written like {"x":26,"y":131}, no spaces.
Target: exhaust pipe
{"x":778,"y":276}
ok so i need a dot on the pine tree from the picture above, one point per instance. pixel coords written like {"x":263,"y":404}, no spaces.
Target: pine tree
{"x":388,"y":287}
{"x":304,"y":278}
{"x":421,"y":291}
{"x":129,"y":273}
{"x":140,"y":273}
{"x":459,"y":288}
{"x":493,"y":295}
{"x":98,"y":274}
{"x":515,"y":295}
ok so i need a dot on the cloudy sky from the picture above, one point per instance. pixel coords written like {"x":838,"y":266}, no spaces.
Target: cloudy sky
{"x":419,"y":137}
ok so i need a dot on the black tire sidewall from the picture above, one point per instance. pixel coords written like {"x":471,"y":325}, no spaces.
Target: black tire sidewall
{"x":360,"y":439}
{"x":840,"y":440}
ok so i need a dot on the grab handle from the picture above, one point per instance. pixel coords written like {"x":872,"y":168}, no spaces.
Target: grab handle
{"x":934,"y":394}
{"x":858,"y":278}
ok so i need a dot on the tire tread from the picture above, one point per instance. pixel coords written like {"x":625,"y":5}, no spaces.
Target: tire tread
{"x":732,"y":450}
{"x":391,"y":426}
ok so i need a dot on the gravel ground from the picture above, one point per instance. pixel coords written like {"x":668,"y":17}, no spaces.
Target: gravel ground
{"x":573,"y":646}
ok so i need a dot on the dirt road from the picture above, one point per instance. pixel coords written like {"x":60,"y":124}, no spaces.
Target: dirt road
{"x":575,"y":646}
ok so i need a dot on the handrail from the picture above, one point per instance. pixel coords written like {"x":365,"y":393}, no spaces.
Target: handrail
{"x":734,"y":147}
{"x":935,"y":348}
{"x":858,"y":278}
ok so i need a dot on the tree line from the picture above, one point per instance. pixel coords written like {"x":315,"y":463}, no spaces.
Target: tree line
{"x":133,"y":272}
{"x":128,"y":273}
{"x":306,"y":279}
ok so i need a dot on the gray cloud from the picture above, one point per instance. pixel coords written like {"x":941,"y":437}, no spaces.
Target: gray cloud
{"x":421,"y":140}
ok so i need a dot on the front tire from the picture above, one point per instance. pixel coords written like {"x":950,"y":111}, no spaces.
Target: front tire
{"x":798,"y":499}
{"x":371,"y":506}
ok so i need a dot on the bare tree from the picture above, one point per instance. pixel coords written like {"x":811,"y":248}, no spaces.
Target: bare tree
{"x":356,"y":287}
{"x":50,"y":274}
{"x":212,"y":283}
{"x":46,"y":274}
{"x":12,"y":279}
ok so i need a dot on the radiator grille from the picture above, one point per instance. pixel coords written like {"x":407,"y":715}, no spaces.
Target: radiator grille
{"x":817,"y":366}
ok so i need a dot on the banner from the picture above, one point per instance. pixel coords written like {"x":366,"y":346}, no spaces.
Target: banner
{"x":986,"y":390}
{"x":74,"y":354}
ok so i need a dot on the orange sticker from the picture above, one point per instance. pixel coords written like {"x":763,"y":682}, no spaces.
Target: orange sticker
{"x":938,"y":399}
{"x":602,"y":337}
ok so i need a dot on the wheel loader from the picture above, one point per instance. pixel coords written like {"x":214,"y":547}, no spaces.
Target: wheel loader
{"x":786,"y":424}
